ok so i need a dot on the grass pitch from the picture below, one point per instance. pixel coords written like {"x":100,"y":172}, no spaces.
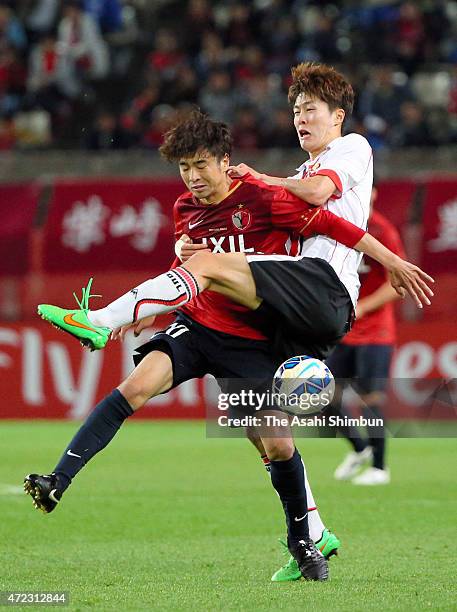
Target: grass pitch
{"x":165,"y":519}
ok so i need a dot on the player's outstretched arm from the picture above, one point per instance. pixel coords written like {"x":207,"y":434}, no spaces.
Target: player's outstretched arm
{"x":315,"y":190}
{"x":405,"y":277}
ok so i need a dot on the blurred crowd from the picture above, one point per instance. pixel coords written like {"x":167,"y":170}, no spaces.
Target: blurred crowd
{"x":114,"y":74}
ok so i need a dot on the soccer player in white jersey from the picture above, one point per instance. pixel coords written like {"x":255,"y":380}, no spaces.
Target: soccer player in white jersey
{"x":310,"y":298}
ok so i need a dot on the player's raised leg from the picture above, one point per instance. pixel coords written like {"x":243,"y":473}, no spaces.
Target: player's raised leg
{"x":152,"y":376}
{"x":227,"y":273}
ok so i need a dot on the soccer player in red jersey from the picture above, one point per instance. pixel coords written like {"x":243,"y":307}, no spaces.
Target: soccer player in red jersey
{"x":212,"y":334}
{"x":189,"y":349}
{"x":364,"y":356}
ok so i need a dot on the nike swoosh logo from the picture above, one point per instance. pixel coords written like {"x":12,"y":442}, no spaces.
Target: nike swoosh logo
{"x":53,"y":497}
{"x":301,"y":518}
{"x":68,"y":319}
{"x":192,"y":225}
{"x":73,"y":454}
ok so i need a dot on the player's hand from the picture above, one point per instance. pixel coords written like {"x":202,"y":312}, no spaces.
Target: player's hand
{"x":360,"y":310}
{"x":185,"y":248}
{"x":138,"y":327}
{"x":242,"y":169}
{"x":405,"y":278}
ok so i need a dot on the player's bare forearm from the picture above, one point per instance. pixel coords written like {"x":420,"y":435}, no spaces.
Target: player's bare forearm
{"x":405,"y":277}
{"x":383,"y":295}
{"x":315,"y":190}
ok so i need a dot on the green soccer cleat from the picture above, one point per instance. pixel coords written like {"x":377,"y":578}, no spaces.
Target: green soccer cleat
{"x":288,"y":572}
{"x":328,"y":546}
{"x":75,"y":322}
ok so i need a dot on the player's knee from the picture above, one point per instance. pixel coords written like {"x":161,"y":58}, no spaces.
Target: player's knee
{"x":280,"y":450}
{"x":134,"y":392}
{"x":200,"y":263}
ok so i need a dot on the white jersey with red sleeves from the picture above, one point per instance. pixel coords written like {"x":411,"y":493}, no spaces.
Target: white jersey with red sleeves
{"x":348,"y":161}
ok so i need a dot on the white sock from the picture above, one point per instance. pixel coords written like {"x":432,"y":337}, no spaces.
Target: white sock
{"x":316,"y":526}
{"x":155,"y":296}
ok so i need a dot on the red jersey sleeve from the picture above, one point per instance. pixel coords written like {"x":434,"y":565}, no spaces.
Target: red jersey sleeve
{"x":289,"y":211}
{"x":335,"y":227}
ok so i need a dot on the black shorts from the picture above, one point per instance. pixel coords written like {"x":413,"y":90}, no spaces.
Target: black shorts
{"x":365,"y":366}
{"x":309,"y":307}
{"x":196,"y":350}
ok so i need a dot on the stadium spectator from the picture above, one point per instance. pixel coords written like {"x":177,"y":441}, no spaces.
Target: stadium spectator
{"x":41,"y":17}
{"x":184,"y":88}
{"x":412,"y":130}
{"x":166,"y":56}
{"x":106,"y":134}
{"x":251,"y":64}
{"x":47,"y":77}
{"x":137,"y":115}
{"x":107,"y":13}
{"x":241,"y":29}
{"x":81,"y":44}
{"x":228,"y":55}
{"x":12,"y":33}
{"x":12,"y":81}
{"x":198,"y":21}
{"x":219,"y":98}
{"x":264,"y":92}
{"x":280,"y":133}
{"x":410,"y":36}
{"x":383,"y":95}
{"x":212,"y":56}
{"x":161,"y":120}
{"x":246,"y":131}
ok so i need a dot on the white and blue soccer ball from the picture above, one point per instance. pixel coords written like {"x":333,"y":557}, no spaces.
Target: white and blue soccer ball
{"x":303,"y":386}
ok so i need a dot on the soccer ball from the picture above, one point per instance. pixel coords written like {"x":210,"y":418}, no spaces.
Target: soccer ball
{"x":303,"y":386}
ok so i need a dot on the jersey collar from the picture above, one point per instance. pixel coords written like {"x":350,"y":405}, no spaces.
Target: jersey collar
{"x":233,"y":187}
{"x":310,"y":161}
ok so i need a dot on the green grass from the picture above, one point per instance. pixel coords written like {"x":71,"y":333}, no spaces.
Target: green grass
{"x":165,"y":519}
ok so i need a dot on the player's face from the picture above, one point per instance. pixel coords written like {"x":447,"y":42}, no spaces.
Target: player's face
{"x":204,"y":175}
{"x":315,"y":123}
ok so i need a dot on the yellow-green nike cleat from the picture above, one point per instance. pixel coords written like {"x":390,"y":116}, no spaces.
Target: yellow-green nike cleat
{"x":328,"y":546}
{"x":75,"y":322}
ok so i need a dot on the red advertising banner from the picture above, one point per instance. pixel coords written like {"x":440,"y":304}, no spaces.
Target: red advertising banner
{"x":110,"y":225}
{"x":426,"y":353}
{"x":17,"y":208}
{"x":439,"y":244}
{"x":47,"y":374}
